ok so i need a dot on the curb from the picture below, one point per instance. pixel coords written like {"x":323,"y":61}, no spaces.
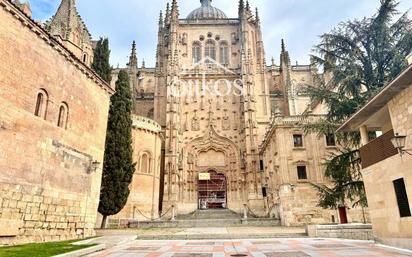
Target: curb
{"x":84,"y":251}
{"x":219,"y":236}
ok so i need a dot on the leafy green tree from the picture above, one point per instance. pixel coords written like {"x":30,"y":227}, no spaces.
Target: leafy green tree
{"x":118,"y":167}
{"x":347,"y":181}
{"x":101,"y":60}
{"x":362,"y":56}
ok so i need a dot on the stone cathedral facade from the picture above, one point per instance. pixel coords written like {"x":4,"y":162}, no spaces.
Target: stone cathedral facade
{"x":216,"y":131}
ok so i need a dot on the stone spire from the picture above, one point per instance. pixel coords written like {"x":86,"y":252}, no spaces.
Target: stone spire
{"x":167,"y":14}
{"x":133,"y":56}
{"x":68,"y":26}
{"x":133,"y":70}
{"x":247,"y":6}
{"x":257,"y":16}
{"x":66,"y":20}
{"x":249,"y":12}
{"x":160,"y":19}
{"x":160,"y":22}
{"x":284,"y":55}
{"x":174,"y":14}
{"x":241,"y":7}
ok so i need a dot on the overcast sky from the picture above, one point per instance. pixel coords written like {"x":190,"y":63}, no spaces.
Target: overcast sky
{"x":299,"y":22}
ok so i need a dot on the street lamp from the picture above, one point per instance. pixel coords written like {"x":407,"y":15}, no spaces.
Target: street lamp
{"x":399,"y":143}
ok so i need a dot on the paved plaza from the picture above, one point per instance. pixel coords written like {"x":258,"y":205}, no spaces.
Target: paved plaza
{"x":207,"y":233}
{"x":251,"y":248}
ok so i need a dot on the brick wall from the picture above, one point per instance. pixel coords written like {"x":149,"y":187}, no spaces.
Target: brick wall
{"x":48,"y":190}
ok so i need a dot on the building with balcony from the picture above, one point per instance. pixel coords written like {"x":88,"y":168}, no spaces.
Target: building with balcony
{"x":386,"y":170}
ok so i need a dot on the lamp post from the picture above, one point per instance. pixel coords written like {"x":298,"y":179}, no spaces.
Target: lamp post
{"x":399,"y":143}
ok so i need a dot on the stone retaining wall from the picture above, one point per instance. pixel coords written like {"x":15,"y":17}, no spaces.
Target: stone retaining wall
{"x":345,"y":231}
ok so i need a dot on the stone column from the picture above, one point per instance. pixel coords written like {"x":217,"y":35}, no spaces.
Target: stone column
{"x":364,"y":135}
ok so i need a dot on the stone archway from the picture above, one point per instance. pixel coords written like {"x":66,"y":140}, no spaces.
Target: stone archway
{"x":212,"y":152}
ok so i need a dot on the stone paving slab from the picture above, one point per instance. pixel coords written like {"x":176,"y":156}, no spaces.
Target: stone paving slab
{"x":188,"y":232}
{"x":205,"y":233}
{"x":302,"y":247}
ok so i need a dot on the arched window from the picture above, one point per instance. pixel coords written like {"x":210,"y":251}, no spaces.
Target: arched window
{"x":224,"y":54}
{"x":196,"y":52}
{"x":41,"y":104}
{"x":145,"y":161}
{"x":210,"y":50}
{"x":63,"y":116}
{"x":85,"y":58}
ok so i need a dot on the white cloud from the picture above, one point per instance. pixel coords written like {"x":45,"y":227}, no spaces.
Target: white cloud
{"x":299,"y":22}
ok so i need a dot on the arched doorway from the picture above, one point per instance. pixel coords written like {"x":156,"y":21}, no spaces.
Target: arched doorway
{"x":212,"y":191}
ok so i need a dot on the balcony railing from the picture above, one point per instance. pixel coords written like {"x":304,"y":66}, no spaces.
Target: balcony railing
{"x":378,"y":150}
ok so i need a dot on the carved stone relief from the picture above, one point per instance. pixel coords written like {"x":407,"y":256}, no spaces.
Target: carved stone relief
{"x":226,"y":122}
{"x":195,"y":123}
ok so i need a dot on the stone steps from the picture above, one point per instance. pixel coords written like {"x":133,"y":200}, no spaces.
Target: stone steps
{"x":222,"y":236}
{"x":205,"y":223}
{"x":210,"y":214}
{"x":207,"y":218}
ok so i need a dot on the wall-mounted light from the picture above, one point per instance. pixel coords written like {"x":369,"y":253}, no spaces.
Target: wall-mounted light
{"x":94,"y":165}
{"x":399,"y":142}
{"x":2,"y":125}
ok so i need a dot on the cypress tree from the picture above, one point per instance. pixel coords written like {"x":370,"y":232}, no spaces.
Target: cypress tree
{"x":101,"y":60}
{"x":118,"y":166}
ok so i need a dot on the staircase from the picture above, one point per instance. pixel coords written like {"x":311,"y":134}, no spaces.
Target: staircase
{"x":211,"y":214}
{"x":209,"y":218}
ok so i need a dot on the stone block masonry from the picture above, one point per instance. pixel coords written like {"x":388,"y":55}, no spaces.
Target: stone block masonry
{"x":53,"y":118}
{"x":343,"y":231}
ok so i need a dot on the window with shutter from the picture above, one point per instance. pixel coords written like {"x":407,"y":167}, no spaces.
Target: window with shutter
{"x":402,"y":198}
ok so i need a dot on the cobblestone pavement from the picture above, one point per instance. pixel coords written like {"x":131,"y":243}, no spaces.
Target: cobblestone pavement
{"x":251,"y":248}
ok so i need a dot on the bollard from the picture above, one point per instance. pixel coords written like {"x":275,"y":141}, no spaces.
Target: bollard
{"x":245,"y":211}
{"x":173,"y":213}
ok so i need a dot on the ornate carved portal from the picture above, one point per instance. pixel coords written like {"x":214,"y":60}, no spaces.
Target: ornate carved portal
{"x":212,"y":152}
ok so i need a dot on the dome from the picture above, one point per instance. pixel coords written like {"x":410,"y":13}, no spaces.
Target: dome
{"x":206,"y":11}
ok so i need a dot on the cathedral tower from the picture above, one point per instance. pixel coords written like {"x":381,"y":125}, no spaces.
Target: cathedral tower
{"x":212,"y":101}
{"x":68,"y":27}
